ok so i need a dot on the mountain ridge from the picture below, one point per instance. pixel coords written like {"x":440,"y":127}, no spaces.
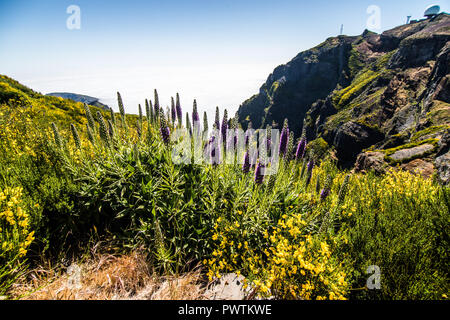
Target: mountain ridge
{"x":370,"y":93}
{"x":79,"y":98}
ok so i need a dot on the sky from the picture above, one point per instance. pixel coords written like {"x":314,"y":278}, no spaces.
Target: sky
{"x":216,"y":51}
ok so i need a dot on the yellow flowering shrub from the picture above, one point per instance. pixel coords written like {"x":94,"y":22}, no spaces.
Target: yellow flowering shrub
{"x":300,"y":265}
{"x":15,"y":234}
{"x":288,"y":262}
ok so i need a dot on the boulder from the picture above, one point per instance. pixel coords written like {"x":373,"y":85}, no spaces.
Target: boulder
{"x":229,"y":287}
{"x":419,"y":166}
{"x":405,"y":154}
{"x":444,"y":144}
{"x":371,"y":161}
{"x":443,"y":168}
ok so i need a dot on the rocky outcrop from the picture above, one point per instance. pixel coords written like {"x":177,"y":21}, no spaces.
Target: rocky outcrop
{"x":405,"y":154}
{"x":443,"y":168}
{"x":351,"y":138}
{"x":419,"y":166}
{"x":443,"y":159}
{"x":374,"y":91}
{"x":371,"y":161}
{"x":291,"y":89}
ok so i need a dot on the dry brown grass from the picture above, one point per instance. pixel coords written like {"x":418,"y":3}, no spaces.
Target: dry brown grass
{"x":107,"y":277}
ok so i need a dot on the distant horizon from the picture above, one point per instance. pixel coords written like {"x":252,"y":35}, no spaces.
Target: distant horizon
{"x":217,"y":53}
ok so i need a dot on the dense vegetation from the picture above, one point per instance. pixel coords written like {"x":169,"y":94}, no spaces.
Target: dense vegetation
{"x":311,"y":231}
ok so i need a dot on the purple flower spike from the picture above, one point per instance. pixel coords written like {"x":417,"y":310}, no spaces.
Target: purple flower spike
{"x":224,"y":127}
{"x":173,"y":112}
{"x":310,"y":165}
{"x":300,"y":154}
{"x":165,"y":133}
{"x":246,"y":165}
{"x":284,"y":141}
{"x":179,"y":110}
{"x":195,"y":116}
{"x":258,"y":175}
{"x":269,"y":143}
{"x":324,"y":193}
{"x":214,"y":151}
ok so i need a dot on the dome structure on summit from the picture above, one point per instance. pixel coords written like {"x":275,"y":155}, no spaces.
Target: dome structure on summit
{"x":432,"y":11}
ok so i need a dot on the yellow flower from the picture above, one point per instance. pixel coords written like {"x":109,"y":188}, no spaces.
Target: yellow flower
{"x":22,"y":252}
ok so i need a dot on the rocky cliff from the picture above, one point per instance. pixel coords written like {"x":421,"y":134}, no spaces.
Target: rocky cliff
{"x":374,"y":100}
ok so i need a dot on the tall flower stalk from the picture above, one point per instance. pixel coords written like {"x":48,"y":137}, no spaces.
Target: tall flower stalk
{"x":152,"y":112}
{"x":173,"y":111}
{"x":224,"y":127}
{"x":121,"y":109}
{"x":246,"y":165}
{"x":57,"y":136}
{"x":164,"y":128}
{"x":309,"y":170}
{"x":147,"y":111}
{"x":205,"y":122}
{"x":195,"y":117}
{"x":89,"y":117}
{"x":156,"y":105}
{"x":216,"y":125}
{"x":140,"y":115}
{"x":258,"y":173}
{"x":301,"y":148}
{"x":104,"y":135}
{"x":113,"y":116}
{"x":111,"y":129}
{"x":326,"y":189}
{"x":290,"y":146}
{"x":179,"y":111}
{"x":188,"y":124}
{"x":284,"y":141}
{"x":90,"y":134}
{"x":75,"y":136}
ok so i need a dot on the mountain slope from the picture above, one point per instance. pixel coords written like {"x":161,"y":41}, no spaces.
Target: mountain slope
{"x":79,"y":98}
{"x":38,"y":107}
{"x":386,"y":93}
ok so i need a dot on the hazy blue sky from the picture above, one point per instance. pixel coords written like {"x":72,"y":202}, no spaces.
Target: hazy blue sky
{"x":219,"y":52}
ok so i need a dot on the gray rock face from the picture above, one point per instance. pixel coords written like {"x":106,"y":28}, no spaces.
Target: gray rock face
{"x":444,"y":143}
{"x":405,"y":154}
{"x":403,"y":119}
{"x":351,"y":138}
{"x":292,"y":88}
{"x":443,"y":168}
